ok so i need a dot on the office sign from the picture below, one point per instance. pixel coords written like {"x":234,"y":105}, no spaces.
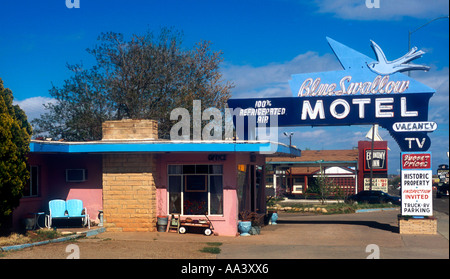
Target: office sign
{"x":217,"y":157}
{"x":416,"y":184}
{"x":366,"y":92}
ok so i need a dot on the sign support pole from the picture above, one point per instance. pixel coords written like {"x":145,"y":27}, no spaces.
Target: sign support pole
{"x":371,"y":158}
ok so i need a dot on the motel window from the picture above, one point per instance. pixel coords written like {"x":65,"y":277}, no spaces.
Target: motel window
{"x":195,"y":189}
{"x":31,"y":188}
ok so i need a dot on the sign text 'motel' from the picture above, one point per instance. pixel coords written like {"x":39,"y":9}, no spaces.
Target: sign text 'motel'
{"x":365,"y":92}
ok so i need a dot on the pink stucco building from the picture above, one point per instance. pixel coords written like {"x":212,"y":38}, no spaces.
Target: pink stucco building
{"x":132,"y":177}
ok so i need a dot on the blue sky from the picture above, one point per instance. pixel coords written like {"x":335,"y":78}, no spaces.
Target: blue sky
{"x":263,"y":43}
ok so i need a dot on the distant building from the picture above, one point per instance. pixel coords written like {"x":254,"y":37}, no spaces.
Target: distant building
{"x":349,"y":170}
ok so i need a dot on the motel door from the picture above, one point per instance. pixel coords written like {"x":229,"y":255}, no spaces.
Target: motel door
{"x":250,"y":188}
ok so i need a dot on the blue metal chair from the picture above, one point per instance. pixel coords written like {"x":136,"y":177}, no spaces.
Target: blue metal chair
{"x":75,"y":209}
{"x":60,"y":209}
{"x":57,"y":209}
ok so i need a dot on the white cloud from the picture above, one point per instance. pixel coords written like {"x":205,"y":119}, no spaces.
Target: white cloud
{"x":388,"y":9}
{"x":314,"y":134}
{"x":34,"y":106}
{"x":273,"y":79}
{"x":439,"y":103}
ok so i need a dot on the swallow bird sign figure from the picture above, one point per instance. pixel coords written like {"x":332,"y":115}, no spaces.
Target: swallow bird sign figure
{"x":365,"y":92}
{"x":384,"y":67}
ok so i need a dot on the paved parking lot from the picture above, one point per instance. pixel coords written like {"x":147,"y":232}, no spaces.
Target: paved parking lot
{"x":346,"y":236}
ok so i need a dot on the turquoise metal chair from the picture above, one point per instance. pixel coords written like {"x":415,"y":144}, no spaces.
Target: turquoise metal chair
{"x":75,"y":209}
{"x":57,"y":209}
{"x":60,"y":209}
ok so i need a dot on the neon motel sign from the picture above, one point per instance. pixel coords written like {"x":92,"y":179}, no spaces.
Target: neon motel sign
{"x":366,"y":92}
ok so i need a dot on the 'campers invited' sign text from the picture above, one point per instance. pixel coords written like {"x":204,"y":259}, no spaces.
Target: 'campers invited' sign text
{"x":366,"y":92}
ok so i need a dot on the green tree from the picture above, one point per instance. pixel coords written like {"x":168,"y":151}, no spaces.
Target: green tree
{"x":323,"y":186}
{"x":15,"y":133}
{"x":80,"y":109}
{"x":142,"y":78}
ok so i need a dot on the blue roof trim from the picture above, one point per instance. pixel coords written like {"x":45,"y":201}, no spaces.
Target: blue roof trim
{"x":162,"y":146}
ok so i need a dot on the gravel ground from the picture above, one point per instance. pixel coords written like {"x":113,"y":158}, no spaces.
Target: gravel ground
{"x":117,"y":246}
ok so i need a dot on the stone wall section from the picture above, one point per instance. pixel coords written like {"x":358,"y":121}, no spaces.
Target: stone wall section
{"x":130,"y":129}
{"x":417,"y":226}
{"x":129,"y":192}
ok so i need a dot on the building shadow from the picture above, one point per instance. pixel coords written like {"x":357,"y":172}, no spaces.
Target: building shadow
{"x":370,"y":224}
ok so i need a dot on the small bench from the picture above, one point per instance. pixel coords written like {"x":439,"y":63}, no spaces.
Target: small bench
{"x":60,"y":209}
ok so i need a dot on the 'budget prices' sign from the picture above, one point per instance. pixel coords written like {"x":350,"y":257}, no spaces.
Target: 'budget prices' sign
{"x":417,"y":184}
{"x":416,"y":161}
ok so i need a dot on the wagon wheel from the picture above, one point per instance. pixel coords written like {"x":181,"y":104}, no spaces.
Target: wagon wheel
{"x":182,"y":230}
{"x":207,"y":232}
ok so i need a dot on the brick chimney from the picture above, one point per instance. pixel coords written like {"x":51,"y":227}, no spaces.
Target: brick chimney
{"x":130,"y":129}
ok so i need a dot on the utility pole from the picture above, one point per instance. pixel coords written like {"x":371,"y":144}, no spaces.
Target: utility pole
{"x":411,"y":32}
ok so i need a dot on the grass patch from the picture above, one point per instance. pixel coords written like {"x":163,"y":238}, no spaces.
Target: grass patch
{"x":375,"y":205}
{"x":44,"y":234}
{"x":14,"y":239}
{"x":29,"y":237}
{"x":211,"y":248}
{"x":330,"y":208}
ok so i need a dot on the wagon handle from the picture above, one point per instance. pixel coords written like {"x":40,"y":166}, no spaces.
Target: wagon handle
{"x":212,"y":226}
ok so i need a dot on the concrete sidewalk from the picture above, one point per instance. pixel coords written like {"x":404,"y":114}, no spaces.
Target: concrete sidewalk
{"x":443,"y":225}
{"x":346,"y":236}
